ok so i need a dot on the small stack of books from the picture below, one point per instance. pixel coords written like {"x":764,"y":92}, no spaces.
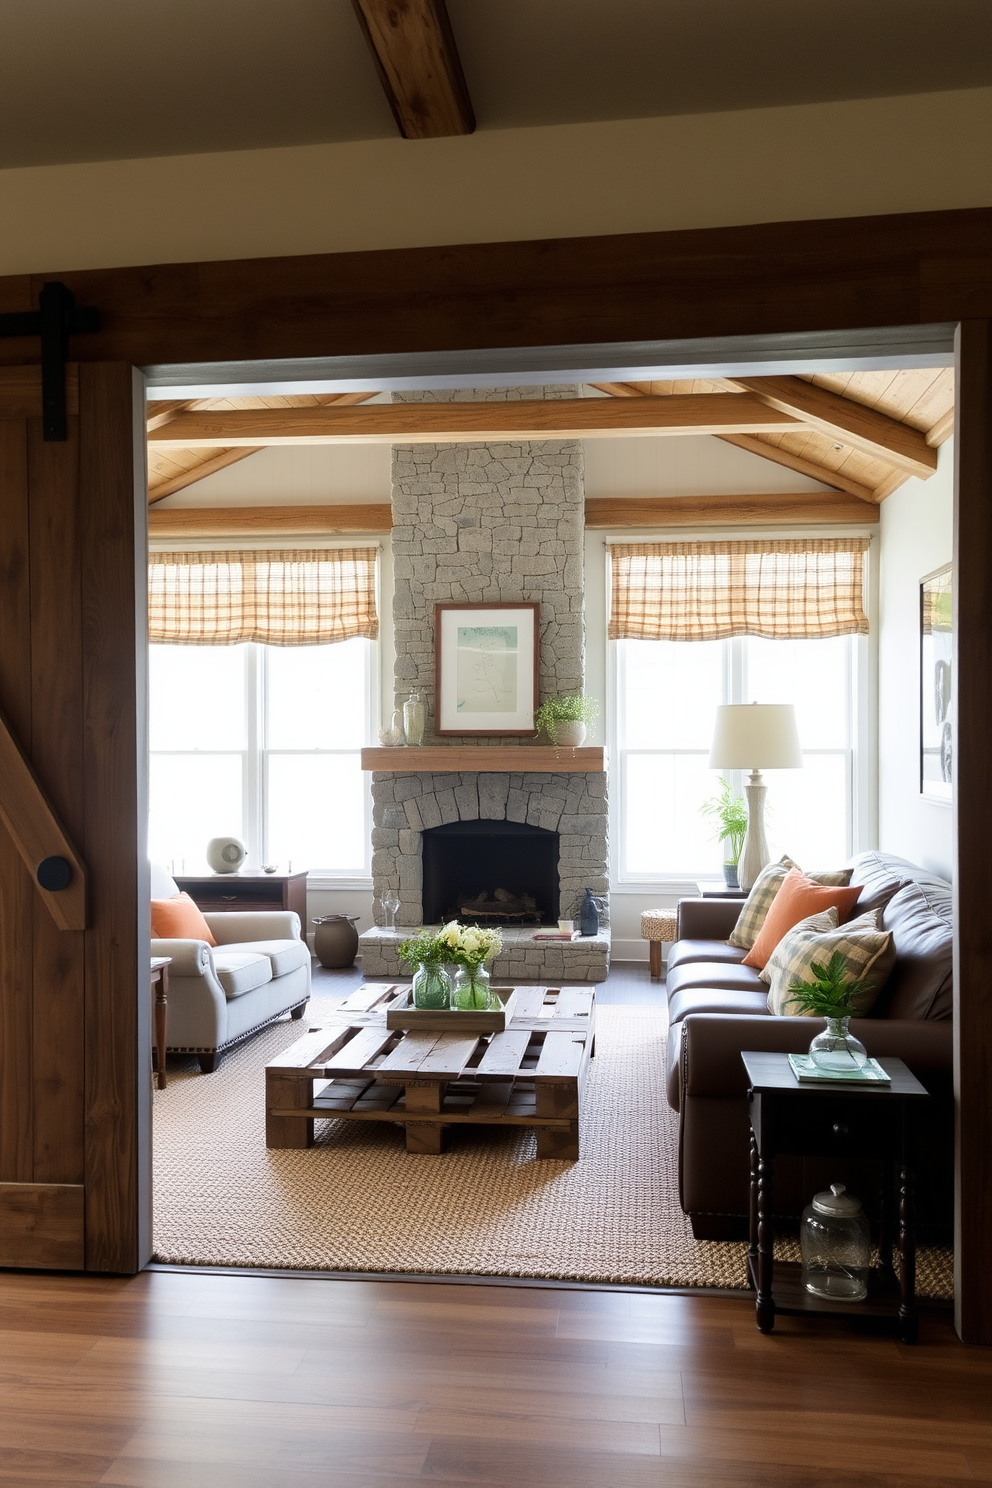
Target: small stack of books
{"x":806,"y":1071}
{"x":557,"y":934}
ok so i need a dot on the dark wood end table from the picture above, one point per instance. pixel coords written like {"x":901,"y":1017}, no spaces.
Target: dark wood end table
{"x":811,"y":1120}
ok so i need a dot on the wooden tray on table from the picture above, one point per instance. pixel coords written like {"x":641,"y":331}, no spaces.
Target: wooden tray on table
{"x":453,"y":1020}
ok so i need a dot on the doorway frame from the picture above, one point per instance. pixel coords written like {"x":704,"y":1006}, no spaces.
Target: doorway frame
{"x":795,"y":282}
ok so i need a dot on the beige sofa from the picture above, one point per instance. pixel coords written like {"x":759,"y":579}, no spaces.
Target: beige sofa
{"x":218,"y":995}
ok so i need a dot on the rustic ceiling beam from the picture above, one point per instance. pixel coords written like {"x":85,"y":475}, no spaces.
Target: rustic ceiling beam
{"x":414,"y":52}
{"x":941,"y":430}
{"x":847,"y":421}
{"x":757,"y":446}
{"x":457,"y":423}
{"x":805,"y":508}
{"x":261,"y":521}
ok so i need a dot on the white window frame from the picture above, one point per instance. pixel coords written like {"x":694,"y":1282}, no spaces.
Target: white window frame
{"x":862,"y":692}
{"x":255,"y":766}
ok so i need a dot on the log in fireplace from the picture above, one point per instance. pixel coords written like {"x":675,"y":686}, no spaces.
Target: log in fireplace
{"x":490,"y":873}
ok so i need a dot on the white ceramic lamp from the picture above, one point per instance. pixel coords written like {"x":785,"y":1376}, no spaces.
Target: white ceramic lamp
{"x":755,"y":737}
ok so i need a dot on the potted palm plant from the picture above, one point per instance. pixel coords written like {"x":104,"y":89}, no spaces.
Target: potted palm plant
{"x":729,"y":814}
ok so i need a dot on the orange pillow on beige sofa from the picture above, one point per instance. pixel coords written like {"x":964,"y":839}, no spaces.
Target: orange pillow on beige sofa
{"x":179,"y":918}
{"x":797,"y":899}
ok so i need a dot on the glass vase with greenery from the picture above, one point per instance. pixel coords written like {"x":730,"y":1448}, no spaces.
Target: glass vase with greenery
{"x":729,"y":814}
{"x":835,"y":996}
{"x":564,"y":719}
{"x":427,"y":954}
{"x":469,"y":947}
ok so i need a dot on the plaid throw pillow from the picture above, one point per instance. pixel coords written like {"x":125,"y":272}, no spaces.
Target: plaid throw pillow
{"x":869,"y":954}
{"x":766,"y":886}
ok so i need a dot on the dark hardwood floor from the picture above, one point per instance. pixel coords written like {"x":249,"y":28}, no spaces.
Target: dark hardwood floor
{"x":177,"y":1379}
{"x":180,"y":1380}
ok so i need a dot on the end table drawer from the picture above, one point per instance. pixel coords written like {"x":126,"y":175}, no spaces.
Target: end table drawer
{"x":824,"y":1124}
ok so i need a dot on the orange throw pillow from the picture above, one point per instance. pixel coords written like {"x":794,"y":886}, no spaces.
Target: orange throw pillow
{"x":179,"y":918}
{"x":797,"y":899}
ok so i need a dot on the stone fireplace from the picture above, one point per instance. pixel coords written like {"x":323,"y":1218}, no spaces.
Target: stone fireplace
{"x":478,"y":522}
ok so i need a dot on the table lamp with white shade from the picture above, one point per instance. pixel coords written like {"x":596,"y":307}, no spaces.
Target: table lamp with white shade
{"x":755,"y":737}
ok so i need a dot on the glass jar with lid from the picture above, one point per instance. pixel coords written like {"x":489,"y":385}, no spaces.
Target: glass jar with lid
{"x":835,"y":1246}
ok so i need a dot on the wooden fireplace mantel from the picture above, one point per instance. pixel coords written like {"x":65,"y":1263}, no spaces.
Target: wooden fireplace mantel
{"x":492,"y":758}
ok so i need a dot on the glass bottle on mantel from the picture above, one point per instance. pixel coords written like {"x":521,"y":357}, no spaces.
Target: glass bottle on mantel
{"x":589,"y":915}
{"x":414,"y":718}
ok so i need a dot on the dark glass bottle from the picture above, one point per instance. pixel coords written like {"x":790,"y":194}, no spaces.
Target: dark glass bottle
{"x":589,"y":915}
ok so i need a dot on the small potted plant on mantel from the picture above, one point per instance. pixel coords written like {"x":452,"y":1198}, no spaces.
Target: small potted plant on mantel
{"x":564,"y":719}
{"x":729,"y":812}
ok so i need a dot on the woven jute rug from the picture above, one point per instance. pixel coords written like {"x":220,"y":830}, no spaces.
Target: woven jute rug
{"x":358,"y":1201}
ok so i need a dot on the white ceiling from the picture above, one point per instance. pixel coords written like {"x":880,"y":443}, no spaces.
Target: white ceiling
{"x":118,"y":79}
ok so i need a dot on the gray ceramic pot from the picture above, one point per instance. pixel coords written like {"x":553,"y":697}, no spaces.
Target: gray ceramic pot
{"x":335,"y":940}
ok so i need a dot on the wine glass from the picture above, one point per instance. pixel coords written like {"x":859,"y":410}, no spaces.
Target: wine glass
{"x":390,"y":902}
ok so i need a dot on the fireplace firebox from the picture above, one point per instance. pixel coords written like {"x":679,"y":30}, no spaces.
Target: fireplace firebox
{"x":490,"y":873}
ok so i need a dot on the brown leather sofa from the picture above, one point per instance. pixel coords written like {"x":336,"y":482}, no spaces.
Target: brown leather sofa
{"x":717,"y":1009}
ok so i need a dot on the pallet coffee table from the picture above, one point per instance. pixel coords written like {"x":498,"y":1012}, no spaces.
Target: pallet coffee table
{"x":355,"y":1068}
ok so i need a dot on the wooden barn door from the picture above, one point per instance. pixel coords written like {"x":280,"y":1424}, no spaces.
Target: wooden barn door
{"x":74,"y":1035}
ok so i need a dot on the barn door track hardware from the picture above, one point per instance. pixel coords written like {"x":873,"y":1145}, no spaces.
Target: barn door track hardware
{"x":56,"y":319}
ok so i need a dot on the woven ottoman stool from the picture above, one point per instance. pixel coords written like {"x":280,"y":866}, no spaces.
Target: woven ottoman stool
{"x":657,"y":925}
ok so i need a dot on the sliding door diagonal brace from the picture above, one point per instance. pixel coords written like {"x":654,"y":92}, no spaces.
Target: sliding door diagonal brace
{"x":56,"y":319}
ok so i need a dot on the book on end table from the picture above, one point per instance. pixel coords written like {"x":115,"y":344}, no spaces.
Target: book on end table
{"x":811,"y":1074}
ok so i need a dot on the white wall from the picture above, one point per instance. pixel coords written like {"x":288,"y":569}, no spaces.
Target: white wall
{"x":915,"y":538}
{"x":301,"y":475}
{"x":860,"y":157}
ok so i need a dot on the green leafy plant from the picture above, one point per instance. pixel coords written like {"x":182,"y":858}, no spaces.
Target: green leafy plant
{"x":830,"y":993}
{"x":424,"y":947}
{"x":729,"y":813}
{"x":569,"y":708}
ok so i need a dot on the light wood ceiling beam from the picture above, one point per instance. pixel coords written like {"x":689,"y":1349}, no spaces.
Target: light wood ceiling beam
{"x":158,"y":490}
{"x":163,"y":412}
{"x":777,"y":508}
{"x":820,"y":473}
{"x":847,"y":421}
{"x":262,"y":521}
{"x":414,"y":52}
{"x":166,"y":482}
{"x":766,"y":451}
{"x":806,"y":508}
{"x":942,"y":429}
{"x":459,"y":423}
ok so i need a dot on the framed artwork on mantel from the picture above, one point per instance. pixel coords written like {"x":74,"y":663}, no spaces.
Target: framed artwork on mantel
{"x":486,"y":667}
{"x":936,"y":704}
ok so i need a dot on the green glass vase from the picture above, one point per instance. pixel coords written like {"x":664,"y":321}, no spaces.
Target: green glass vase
{"x":431,"y":986}
{"x":472,"y":991}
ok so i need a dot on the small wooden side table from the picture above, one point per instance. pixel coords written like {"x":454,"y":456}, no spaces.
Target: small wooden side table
{"x":160,"y":993}
{"x":842,"y":1121}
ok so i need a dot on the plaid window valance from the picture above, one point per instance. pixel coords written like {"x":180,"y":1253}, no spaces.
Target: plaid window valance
{"x":707,"y":591}
{"x":282,"y":597}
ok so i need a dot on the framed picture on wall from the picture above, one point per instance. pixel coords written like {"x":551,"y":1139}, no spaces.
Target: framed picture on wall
{"x":937,"y":722}
{"x":486,"y":659}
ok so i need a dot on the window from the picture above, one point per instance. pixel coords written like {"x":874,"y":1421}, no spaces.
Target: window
{"x":666,"y":694}
{"x":262,"y":742}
